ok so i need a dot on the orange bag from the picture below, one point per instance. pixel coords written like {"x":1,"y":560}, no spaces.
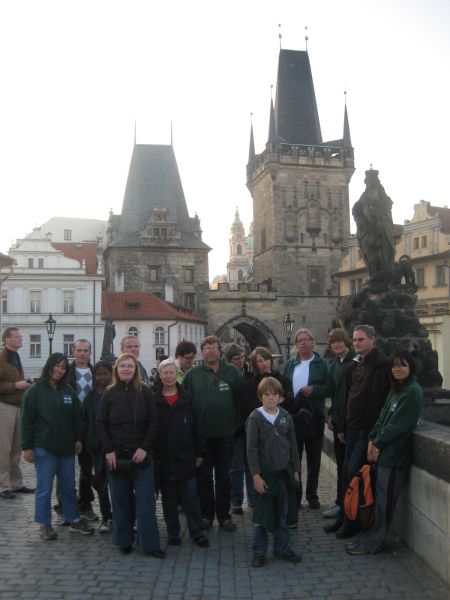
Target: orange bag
{"x":359,"y":499}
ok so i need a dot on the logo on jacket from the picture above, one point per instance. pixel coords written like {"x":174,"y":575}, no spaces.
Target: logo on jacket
{"x":67,"y":399}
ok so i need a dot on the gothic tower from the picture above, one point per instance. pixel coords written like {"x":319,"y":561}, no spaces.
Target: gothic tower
{"x":299,"y":185}
{"x":240,"y":258}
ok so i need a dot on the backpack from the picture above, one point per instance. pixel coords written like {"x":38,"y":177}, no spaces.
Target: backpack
{"x":359,"y":499}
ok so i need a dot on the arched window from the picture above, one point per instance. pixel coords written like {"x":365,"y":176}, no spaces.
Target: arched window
{"x":133,"y":331}
{"x":239,"y":249}
{"x":159,"y":336}
{"x":240,"y":275}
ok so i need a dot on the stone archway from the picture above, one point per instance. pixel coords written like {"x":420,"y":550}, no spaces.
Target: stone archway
{"x":255,"y":332}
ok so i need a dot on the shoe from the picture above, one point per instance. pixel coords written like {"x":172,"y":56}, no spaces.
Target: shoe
{"x":106,"y":526}
{"x":333,"y":527}
{"x":314,"y":503}
{"x":292,"y":526}
{"x":174,"y":540}
{"x":237,"y":509}
{"x":228,"y":525}
{"x":201,"y":541}
{"x":290,"y":557}
{"x":332,"y":512}
{"x":156,"y":554}
{"x":60,"y":520}
{"x":344,"y":532}
{"x":206,"y":523}
{"x":25,"y":490}
{"x":89,"y":515}
{"x":47,"y":532}
{"x":356,"y":550}
{"x":258,"y":560}
{"x":7,"y":495}
{"x":125,"y":549}
{"x":80,"y":526}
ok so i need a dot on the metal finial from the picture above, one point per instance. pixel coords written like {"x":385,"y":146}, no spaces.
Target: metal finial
{"x":271,"y":91}
{"x":345,"y":97}
{"x":251,"y":118}
{"x":280,"y":35}
{"x":306,"y":38}
{"x":371,"y":166}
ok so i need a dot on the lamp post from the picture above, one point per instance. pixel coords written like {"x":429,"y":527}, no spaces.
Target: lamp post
{"x":50,"y":324}
{"x":288,"y":325}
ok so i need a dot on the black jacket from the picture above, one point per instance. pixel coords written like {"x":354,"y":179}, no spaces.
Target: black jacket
{"x":249,"y":396}
{"x":178,"y":442}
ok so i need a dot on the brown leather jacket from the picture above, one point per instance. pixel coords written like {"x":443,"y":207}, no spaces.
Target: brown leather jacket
{"x":9,"y":374}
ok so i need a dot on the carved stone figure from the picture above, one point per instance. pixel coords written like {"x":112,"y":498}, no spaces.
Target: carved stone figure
{"x":108,"y":338}
{"x":403,"y":270}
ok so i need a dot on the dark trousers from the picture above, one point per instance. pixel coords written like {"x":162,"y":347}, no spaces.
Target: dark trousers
{"x":313,"y":451}
{"x":98,"y":461}
{"x":356,"y":441}
{"x":213,"y":479}
{"x":85,"y":493}
{"x":185,"y":491}
{"x":339,"y":453}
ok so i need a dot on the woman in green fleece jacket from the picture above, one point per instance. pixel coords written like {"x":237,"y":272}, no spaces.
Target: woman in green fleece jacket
{"x":390,"y":444}
{"x":51,"y":434}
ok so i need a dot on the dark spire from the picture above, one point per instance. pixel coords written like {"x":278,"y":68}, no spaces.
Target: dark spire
{"x":273,"y":138}
{"x":347,"y":139}
{"x":251,"y":150}
{"x":296,"y":116}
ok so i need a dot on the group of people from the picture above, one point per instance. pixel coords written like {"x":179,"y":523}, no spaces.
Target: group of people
{"x":201,"y":434}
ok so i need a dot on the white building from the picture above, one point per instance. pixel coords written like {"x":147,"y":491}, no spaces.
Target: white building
{"x":72,"y":229}
{"x":64,"y":279}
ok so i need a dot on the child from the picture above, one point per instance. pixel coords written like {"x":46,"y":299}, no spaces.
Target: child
{"x":274,"y":464}
{"x":102,"y":378}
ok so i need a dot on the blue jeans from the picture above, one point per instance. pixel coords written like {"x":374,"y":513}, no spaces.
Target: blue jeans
{"x":281,"y":538}
{"x":171,"y":492}
{"x":135,"y":497}
{"x":48,"y":465}
{"x":239,"y":470}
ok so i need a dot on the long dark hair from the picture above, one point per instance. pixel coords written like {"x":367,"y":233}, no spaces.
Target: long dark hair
{"x":404,"y":358}
{"x":51,"y":363}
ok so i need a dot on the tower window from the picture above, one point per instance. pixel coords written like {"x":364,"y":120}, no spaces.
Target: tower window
{"x":239,"y":250}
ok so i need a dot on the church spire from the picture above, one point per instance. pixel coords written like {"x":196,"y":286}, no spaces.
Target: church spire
{"x":273,"y":138}
{"x":251,"y":150}
{"x":347,"y":138}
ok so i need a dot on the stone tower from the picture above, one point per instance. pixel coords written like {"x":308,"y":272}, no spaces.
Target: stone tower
{"x":299,"y":185}
{"x":154,"y":245}
{"x":240,"y":256}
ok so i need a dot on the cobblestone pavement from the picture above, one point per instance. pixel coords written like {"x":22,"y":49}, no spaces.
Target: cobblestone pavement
{"x":75,"y":567}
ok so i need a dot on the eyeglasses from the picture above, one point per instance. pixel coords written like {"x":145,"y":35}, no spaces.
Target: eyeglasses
{"x":299,"y":340}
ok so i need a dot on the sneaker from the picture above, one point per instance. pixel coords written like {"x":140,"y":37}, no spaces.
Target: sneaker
{"x":290,"y":557}
{"x":80,"y":527}
{"x":258,"y":560}
{"x":314,"y":503}
{"x":60,"y":520}
{"x":201,"y":541}
{"x":106,"y":526}
{"x":236,"y":509}
{"x":89,"y":515}
{"x":7,"y":495}
{"x":228,"y":525}
{"x":332,"y":512}
{"x":47,"y":532}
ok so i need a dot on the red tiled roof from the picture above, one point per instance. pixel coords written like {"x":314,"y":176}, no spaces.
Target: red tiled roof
{"x":444,"y":214}
{"x":80,"y":251}
{"x":142,"y":305}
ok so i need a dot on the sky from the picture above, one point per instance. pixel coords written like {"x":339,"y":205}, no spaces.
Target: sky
{"x":77,"y":75}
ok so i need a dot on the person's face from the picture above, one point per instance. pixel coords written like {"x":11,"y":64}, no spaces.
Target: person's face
{"x":238,"y":361}
{"x":362,"y":343}
{"x":14,"y":341}
{"x":186,"y":361}
{"x":102,"y":377}
{"x":82,"y":354}
{"x":211,"y":354}
{"x":304,"y":345}
{"x":168,"y":376}
{"x":131,"y":346}
{"x":338,"y":347}
{"x":263,"y":365}
{"x":270,"y":400}
{"x":59,"y":370}
{"x":126,"y":370}
{"x":400,"y":370}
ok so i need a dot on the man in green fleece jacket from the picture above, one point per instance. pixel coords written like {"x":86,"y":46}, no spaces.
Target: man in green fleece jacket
{"x":215,"y":387}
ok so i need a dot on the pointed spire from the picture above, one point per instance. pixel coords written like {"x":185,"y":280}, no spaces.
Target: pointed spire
{"x":251,"y":150}
{"x":280,"y":35}
{"x":272,"y":123}
{"x":347,"y":138}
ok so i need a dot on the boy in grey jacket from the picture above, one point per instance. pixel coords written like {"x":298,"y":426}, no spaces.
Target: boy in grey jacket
{"x":274,"y":464}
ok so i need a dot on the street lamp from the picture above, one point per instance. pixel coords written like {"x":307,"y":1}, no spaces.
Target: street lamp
{"x":288,"y":325}
{"x":50,"y":324}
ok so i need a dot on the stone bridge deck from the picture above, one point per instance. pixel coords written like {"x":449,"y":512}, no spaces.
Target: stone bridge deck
{"x":83,"y":568}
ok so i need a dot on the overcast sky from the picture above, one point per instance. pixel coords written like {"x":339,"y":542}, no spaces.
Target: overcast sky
{"x":76,"y":75}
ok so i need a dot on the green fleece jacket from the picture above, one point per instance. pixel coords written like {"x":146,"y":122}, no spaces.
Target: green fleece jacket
{"x":392,"y":433}
{"x":319,"y":378}
{"x":215,"y":397}
{"x":338,"y":391}
{"x":51,"y":419}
